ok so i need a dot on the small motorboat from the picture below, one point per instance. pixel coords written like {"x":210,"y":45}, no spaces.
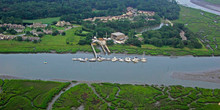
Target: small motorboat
{"x":99,"y":59}
{"x":83,"y":60}
{"x":143,"y":60}
{"x":114,"y":59}
{"x":127,"y":59}
{"x":135,"y":60}
{"x":92,"y":60}
{"x":120,"y":59}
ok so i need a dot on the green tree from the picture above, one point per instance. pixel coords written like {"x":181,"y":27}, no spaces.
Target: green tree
{"x":110,"y":42}
{"x":12,"y":31}
{"x":55,"y":33}
{"x":63,"y":33}
{"x":19,"y":38}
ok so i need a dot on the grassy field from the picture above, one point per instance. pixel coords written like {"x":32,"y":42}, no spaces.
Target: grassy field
{"x":213,"y":1}
{"x":36,"y":94}
{"x":77,"y":96}
{"x":139,"y":97}
{"x":206,"y":25}
{"x":27,"y":94}
{"x":165,"y":50}
{"x":44,"y":20}
{"x":48,"y":43}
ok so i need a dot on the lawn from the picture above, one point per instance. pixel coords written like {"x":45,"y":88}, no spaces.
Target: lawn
{"x":165,"y":50}
{"x":21,"y":94}
{"x":44,"y":20}
{"x":48,"y":43}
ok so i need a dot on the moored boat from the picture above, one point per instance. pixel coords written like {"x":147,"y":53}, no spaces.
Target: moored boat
{"x":127,"y":59}
{"x":114,"y":59}
{"x":120,"y":59}
{"x":92,"y":60}
{"x":135,"y":60}
{"x":143,"y":60}
{"x":74,"y":59}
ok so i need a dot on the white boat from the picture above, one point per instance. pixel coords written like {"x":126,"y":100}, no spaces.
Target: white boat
{"x":127,"y":59}
{"x":114,"y":59}
{"x":120,"y":59}
{"x":74,"y":59}
{"x":103,"y":58}
{"x":135,"y":60}
{"x":99,"y":59}
{"x":45,"y":62}
{"x":143,"y":60}
{"x":92,"y":60}
{"x":83,"y":60}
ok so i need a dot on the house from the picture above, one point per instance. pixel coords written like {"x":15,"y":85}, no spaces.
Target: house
{"x":118,"y":37}
{"x":35,"y":33}
{"x":63,"y":23}
{"x":47,"y":31}
{"x":148,"y":13}
{"x":131,"y":12}
{"x":38,"y":25}
{"x":12,"y":26}
{"x":6,"y":37}
{"x":16,"y":27}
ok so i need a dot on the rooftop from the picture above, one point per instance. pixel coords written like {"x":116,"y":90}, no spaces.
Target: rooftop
{"x":117,"y":33}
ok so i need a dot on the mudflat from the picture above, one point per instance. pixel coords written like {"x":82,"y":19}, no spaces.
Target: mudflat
{"x":202,"y":3}
{"x":210,"y":76}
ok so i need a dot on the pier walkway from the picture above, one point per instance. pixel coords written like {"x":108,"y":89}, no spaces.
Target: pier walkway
{"x":95,"y":54}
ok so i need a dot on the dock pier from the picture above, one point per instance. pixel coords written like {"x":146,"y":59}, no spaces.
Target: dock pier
{"x":107,"y":49}
{"x":103,"y":48}
{"x":95,"y":54}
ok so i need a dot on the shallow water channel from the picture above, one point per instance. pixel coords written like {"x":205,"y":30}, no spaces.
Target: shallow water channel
{"x":157,"y":70}
{"x":188,"y":3}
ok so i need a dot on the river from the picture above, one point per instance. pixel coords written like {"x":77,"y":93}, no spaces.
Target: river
{"x":188,"y":3}
{"x":157,"y":70}
{"x":144,"y":29}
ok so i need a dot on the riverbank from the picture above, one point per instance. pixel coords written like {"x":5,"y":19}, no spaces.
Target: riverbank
{"x":36,"y":94}
{"x":205,"y":4}
{"x":211,"y":76}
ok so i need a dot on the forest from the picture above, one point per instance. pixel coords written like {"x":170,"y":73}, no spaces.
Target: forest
{"x":75,"y":10}
{"x":170,"y":36}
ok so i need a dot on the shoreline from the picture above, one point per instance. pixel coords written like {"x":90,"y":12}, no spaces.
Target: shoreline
{"x":212,"y":76}
{"x":172,"y":56}
{"x":11,"y":77}
{"x":208,"y":5}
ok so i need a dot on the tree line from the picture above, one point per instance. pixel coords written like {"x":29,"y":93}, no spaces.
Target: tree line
{"x":76,"y":10}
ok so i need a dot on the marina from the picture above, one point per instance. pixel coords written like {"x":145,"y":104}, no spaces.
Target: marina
{"x":114,"y":59}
